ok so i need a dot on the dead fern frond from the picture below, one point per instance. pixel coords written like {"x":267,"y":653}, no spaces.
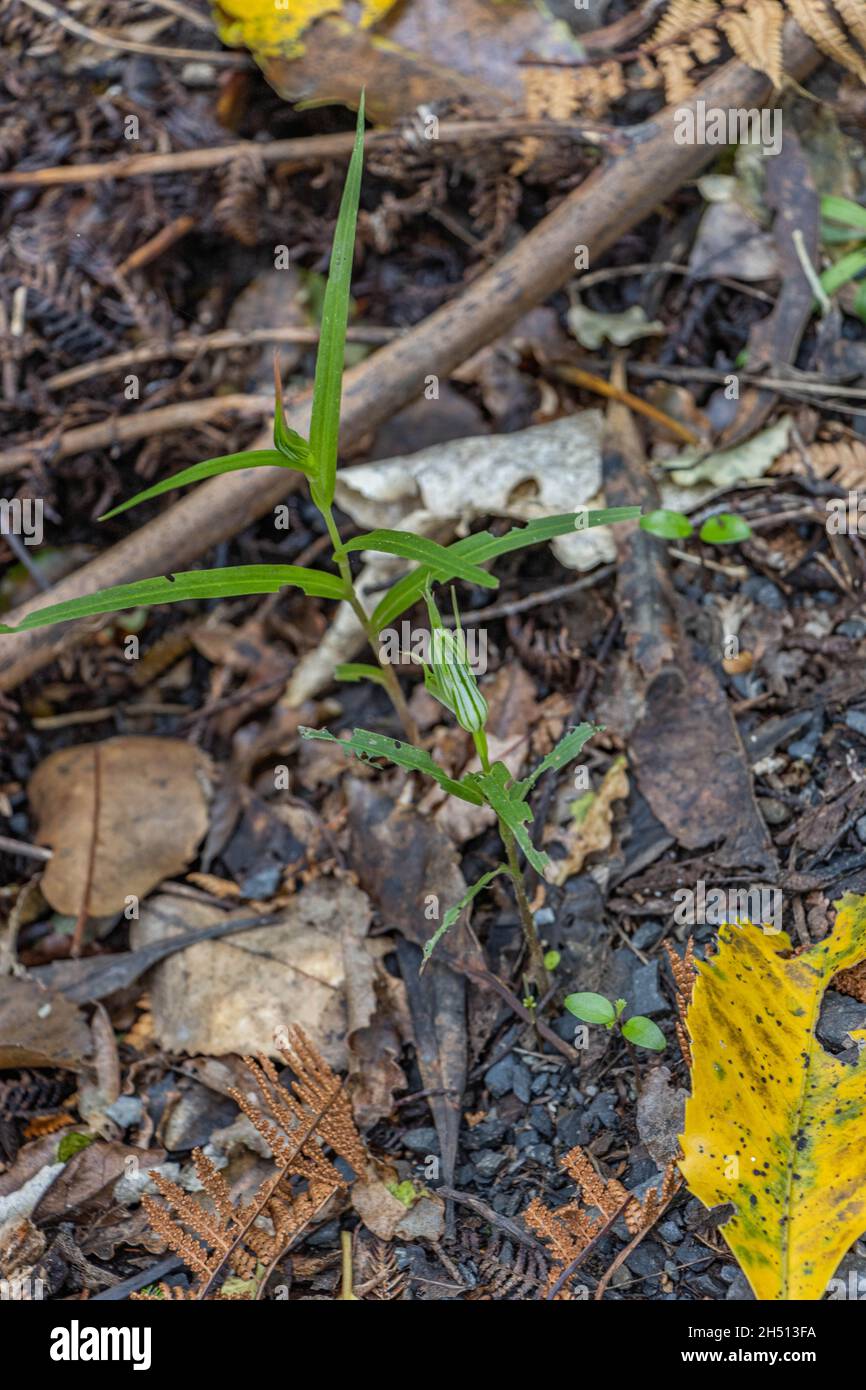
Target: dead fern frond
{"x":384,"y":1282}
{"x":570,"y":1228}
{"x":815,"y":19}
{"x":755,"y":35}
{"x":681,"y":17}
{"x":843,"y":460}
{"x":238,"y":209}
{"x":640,"y":1216}
{"x":854,"y":15}
{"x":684,"y":972}
{"x":231,"y":1248}
{"x":675,"y":64}
{"x":704,"y":44}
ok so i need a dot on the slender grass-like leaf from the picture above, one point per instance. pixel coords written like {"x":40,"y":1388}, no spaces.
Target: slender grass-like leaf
{"x":843,"y":270}
{"x":209,"y":468}
{"x":454,"y":912}
{"x":838,"y":209}
{"x":439,"y":559}
{"x":328,"y":387}
{"x":231,"y":582}
{"x":358,"y":671}
{"x":484,"y":546}
{"x":565,"y":752}
{"x":366,"y":745}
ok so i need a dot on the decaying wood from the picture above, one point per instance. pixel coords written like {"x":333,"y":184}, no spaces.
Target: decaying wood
{"x":596,"y":215}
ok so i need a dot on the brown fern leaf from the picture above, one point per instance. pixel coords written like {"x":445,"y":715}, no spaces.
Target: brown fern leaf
{"x":815,"y":19}
{"x":676,"y":64}
{"x":231,"y":1248}
{"x":755,"y":35}
{"x":853,"y":14}
{"x":843,"y":460}
{"x":385,"y":1282}
{"x":704,"y":45}
{"x":681,"y":18}
{"x":238,"y":208}
{"x":684,"y":972}
{"x":640,"y":1216}
{"x":570,"y":1228}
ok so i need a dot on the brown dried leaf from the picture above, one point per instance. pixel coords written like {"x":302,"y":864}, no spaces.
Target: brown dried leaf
{"x":120,"y":816}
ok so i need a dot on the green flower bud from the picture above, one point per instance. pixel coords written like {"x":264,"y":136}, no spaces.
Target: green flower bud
{"x":449,"y":677}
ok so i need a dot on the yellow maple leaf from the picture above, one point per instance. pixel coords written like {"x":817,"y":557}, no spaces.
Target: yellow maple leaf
{"x":775,"y":1125}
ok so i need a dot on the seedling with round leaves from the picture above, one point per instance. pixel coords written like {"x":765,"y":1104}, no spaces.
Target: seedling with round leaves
{"x":636,"y":1031}
{"x":723,"y":528}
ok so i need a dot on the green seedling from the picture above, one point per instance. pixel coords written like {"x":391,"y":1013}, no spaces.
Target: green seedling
{"x":447,"y":675}
{"x":722,"y":529}
{"x":595,"y":1008}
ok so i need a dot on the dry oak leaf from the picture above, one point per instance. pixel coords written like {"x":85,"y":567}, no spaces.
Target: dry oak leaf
{"x":770,"y":1106}
{"x":120,"y":816}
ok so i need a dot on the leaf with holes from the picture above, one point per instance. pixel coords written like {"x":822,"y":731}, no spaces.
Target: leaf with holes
{"x":775,"y":1125}
{"x":366,"y":746}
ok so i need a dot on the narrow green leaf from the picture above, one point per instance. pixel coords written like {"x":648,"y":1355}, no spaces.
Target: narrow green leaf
{"x":440,"y":561}
{"x":366,"y":745}
{"x":845,"y":269}
{"x":231,"y":582}
{"x":671,"y":526}
{"x":209,"y":468}
{"x":843,"y":210}
{"x":483,"y":546}
{"x":454,"y":912}
{"x":590,"y":1008}
{"x":725,"y":529}
{"x":358,"y":671}
{"x":644,"y":1033}
{"x":565,"y":752}
{"x":328,"y":387}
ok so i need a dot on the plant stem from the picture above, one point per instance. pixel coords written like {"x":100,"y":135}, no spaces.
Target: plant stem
{"x":392,"y":685}
{"x":537,"y":968}
{"x":633,"y":1055}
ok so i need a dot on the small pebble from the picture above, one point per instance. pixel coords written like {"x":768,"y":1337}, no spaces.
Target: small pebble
{"x":856,"y":720}
{"x":774,"y":812}
{"x":198,"y":74}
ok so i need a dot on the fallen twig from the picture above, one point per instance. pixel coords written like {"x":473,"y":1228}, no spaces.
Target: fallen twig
{"x":308,"y":149}
{"x":127,"y":429}
{"x":191,"y":345}
{"x":154,"y":50}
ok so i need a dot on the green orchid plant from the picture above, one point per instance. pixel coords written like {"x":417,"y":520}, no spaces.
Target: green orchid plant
{"x":448,"y":675}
